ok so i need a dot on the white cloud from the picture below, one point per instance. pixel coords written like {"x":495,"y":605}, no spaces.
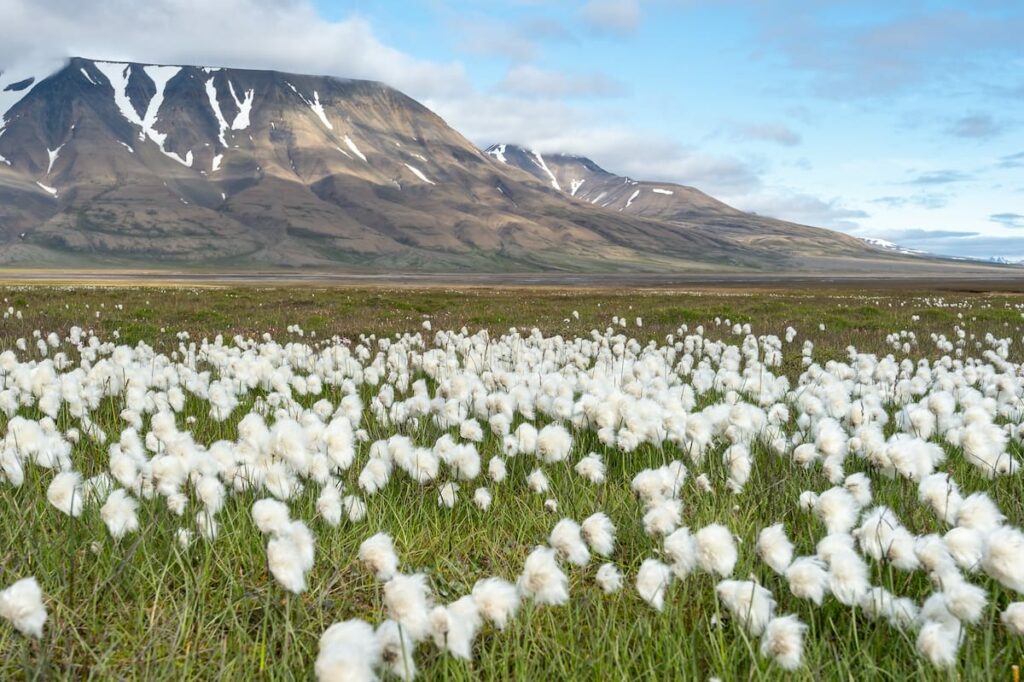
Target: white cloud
{"x":619,"y":17}
{"x":286,"y":35}
{"x":804,"y":209}
{"x":527,"y":79}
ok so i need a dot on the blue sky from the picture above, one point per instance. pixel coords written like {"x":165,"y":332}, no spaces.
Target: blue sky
{"x":900,"y":120}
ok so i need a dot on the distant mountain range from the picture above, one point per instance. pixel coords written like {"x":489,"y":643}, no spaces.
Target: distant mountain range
{"x":126,"y":164}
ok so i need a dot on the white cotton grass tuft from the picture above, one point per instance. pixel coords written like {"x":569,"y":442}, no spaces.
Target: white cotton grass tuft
{"x":377,"y":553}
{"x":349,"y":652}
{"x":848,"y":576}
{"x":716,"y":550}
{"x":939,"y":643}
{"x":808,"y":578}
{"x":21,"y":605}
{"x":396,"y":650}
{"x":749,"y":603}
{"x":407,"y":601}
{"x":900,"y":612}
{"x":774,"y":548}
{"x":662,"y":517}
{"x":65,"y":493}
{"x":454,"y":627}
{"x":497,"y":600}
{"x":482,"y":498}
{"x":608,"y":578}
{"x":965,"y":601}
{"x":591,"y":468}
{"x":537,"y":482}
{"x":980,"y":513}
{"x":966,"y":546}
{"x":681,"y":550}
{"x":859,"y":486}
{"x":290,"y":557}
{"x":496,"y":469}
{"x":119,"y":514}
{"x":567,"y":541}
{"x":354,"y":508}
{"x":271,"y":516}
{"x":652,"y":580}
{"x":1012,"y":618}
{"x":542,"y":580}
{"x":448,"y":495}
{"x":1001,"y":560}
{"x":783,"y":641}
{"x":599,"y":532}
{"x":328,"y":505}
{"x":837,"y":509}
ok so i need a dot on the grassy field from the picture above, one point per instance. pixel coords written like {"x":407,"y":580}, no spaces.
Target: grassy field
{"x":146,"y":608}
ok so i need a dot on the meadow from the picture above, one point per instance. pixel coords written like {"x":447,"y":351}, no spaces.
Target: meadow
{"x":479,"y":483}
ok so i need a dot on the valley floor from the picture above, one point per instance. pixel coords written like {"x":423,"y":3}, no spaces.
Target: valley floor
{"x":148,"y":607}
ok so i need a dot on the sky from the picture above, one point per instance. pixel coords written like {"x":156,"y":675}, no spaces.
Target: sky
{"x":896,"y":120}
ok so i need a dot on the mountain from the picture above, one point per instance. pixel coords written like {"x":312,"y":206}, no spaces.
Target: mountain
{"x":107,"y":163}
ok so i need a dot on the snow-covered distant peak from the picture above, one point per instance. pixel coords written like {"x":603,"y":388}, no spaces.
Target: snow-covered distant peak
{"x":498,"y":152}
{"x":890,"y":246}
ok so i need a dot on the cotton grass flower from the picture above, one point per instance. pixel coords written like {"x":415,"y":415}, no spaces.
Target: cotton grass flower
{"x":1013,"y":618}
{"x":608,"y":578}
{"x":1002,"y":558}
{"x":591,"y":468}
{"x":65,"y":493}
{"x":396,"y":649}
{"x":542,"y":579}
{"x":537,"y":482}
{"x":349,"y":652}
{"x":454,"y":627}
{"x":774,"y":548}
{"x":808,"y":578}
{"x":271,"y":516}
{"x":567,"y":541}
{"x":681,"y":550}
{"x":716,"y":550}
{"x":408,"y":602}
{"x":652,"y":580}
{"x":783,"y":641}
{"x":599,"y":532}
{"x":749,"y":603}
{"x":119,"y":514}
{"x":21,"y":605}
{"x":497,"y":600}
{"x":377,"y":553}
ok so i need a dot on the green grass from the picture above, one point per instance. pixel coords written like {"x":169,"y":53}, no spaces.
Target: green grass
{"x":144,"y":608}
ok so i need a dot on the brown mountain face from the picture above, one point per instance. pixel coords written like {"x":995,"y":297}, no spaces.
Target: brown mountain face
{"x":133,"y":164}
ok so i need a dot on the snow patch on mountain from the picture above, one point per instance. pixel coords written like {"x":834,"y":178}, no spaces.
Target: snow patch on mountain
{"x":241,"y":121}
{"x":53,"y":154}
{"x":117,"y":75}
{"x":575,"y":185}
{"x":318,"y":109}
{"x":46,"y":188}
{"x":222,"y":124}
{"x":498,"y":152}
{"x":87,"y":76}
{"x":659,"y":190}
{"x":355,"y":150}
{"x":419,"y":174}
{"x":539,"y":160}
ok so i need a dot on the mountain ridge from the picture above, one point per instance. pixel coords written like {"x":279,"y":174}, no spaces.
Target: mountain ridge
{"x":128,"y":163}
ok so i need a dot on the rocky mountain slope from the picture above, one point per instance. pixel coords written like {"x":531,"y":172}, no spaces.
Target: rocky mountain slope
{"x":108,"y":163}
